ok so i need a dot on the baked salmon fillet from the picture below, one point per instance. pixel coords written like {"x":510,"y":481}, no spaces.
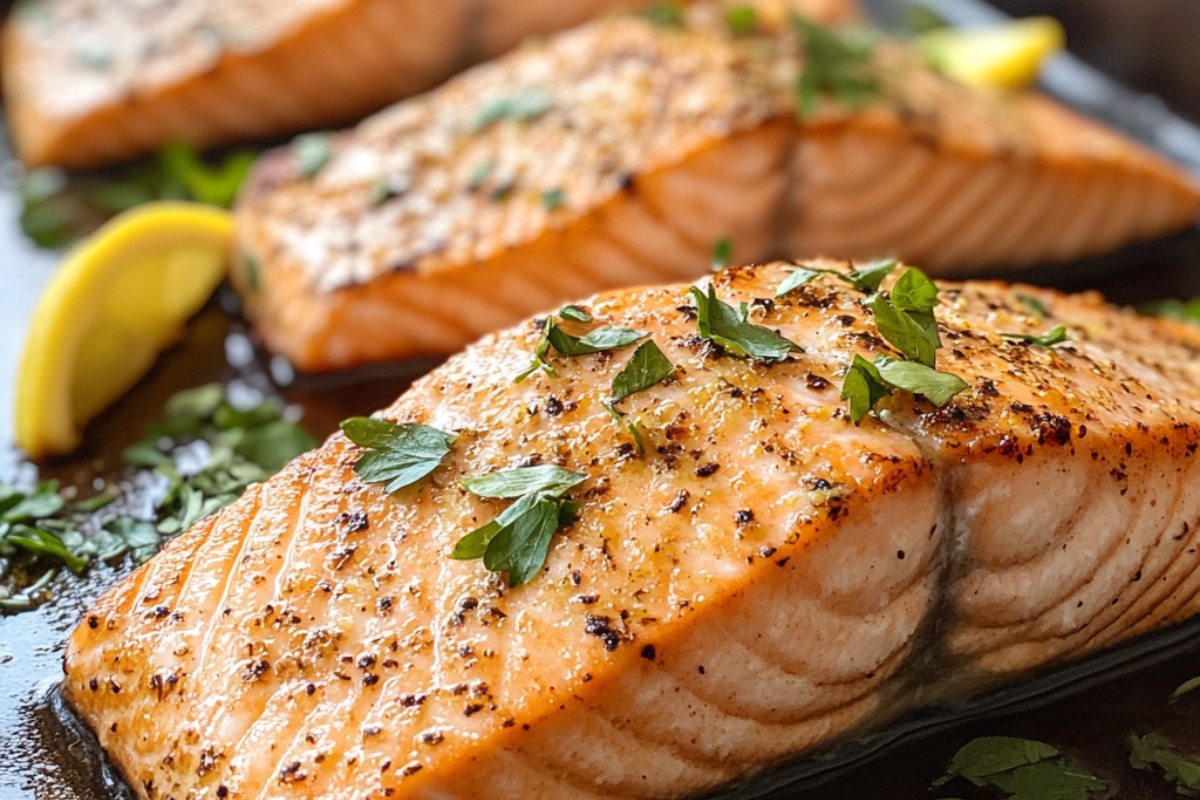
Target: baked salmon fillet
{"x":617,"y":154}
{"x":766,"y":577}
{"x":88,"y":82}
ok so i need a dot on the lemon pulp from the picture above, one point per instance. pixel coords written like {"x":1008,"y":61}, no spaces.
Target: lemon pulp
{"x":1006,"y":55}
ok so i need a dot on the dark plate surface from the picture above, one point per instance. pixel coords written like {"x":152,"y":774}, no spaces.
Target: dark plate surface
{"x":1087,"y":710}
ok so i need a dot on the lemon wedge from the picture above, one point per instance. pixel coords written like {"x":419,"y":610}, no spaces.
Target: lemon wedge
{"x":1006,"y":55}
{"x":119,"y":299}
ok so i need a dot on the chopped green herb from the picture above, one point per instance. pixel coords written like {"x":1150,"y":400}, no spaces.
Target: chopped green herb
{"x":383,"y":189}
{"x":868,"y":279}
{"x":253,"y":272}
{"x":99,"y":59}
{"x":863,"y":387}
{"x":312,"y":151}
{"x":1187,"y":687}
{"x":1057,"y":335}
{"x":648,"y":367}
{"x":518,"y":540}
{"x":574,"y":313}
{"x":398,"y":454}
{"x":216,"y":185}
{"x":722,"y":253}
{"x":1155,"y":750}
{"x":914,"y":293}
{"x":553,"y":198}
{"x":1034,"y":306}
{"x":936,"y":387}
{"x":667,"y":14}
{"x":480,"y":174}
{"x":1023,"y":769}
{"x":1173,"y":309}
{"x":742,"y":20}
{"x":521,"y":108}
{"x":630,"y":426}
{"x":914,"y":335}
{"x":722,"y":325}
{"x":837,"y":65}
{"x":596,"y":341}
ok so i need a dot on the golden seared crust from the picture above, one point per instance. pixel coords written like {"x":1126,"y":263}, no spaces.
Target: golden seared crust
{"x":767,"y":577}
{"x":628,"y":149}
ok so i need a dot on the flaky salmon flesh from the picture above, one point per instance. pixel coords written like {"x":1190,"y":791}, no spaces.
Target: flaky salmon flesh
{"x":88,"y":82}
{"x":619,"y":153}
{"x":767,"y":578}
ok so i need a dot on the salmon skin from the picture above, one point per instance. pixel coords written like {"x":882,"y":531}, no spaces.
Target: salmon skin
{"x":88,"y":82}
{"x":768,"y":578}
{"x":617,"y":154}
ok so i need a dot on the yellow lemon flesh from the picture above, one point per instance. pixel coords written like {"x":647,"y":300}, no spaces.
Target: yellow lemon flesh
{"x":1005,"y":55}
{"x":118,"y":300}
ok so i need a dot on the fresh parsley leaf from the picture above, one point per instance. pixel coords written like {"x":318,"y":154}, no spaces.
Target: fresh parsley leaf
{"x":836,"y":66}
{"x":216,"y":185}
{"x":312,"y":151}
{"x":44,"y":502}
{"x":722,"y":253}
{"x":669,"y":14}
{"x":1033,"y":305}
{"x":914,"y":293}
{"x":553,"y":198}
{"x":798,"y":277}
{"x":594,"y":342}
{"x":398,"y":454}
{"x":518,"y":540}
{"x":741,"y":20}
{"x":721,"y":324}
{"x":1187,"y":687}
{"x":863,"y":387}
{"x":914,"y":335}
{"x":1057,"y":335}
{"x":253,"y":271}
{"x":479,"y":174}
{"x":1155,"y":750}
{"x":628,"y":425}
{"x":520,"y":108}
{"x":936,"y":387}
{"x":574,"y":313}
{"x":385,"y":188}
{"x":1188,"y":311}
{"x":1023,"y":769}
{"x":867,"y":280}
{"x":509,"y":483}
{"x":39,"y":542}
{"x":648,"y":367}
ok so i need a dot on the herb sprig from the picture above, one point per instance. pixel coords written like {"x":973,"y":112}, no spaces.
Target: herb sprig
{"x":595,"y":341}
{"x":868,"y":279}
{"x":731,"y":329}
{"x":517,"y":541}
{"x":1154,"y":749}
{"x":523,"y":107}
{"x":1023,"y":769}
{"x":648,"y":367}
{"x":200,"y":458}
{"x":397,"y":454}
{"x":1056,"y":335}
{"x":837,"y":65}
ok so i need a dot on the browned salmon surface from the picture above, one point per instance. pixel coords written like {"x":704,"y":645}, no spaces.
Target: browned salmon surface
{"x":638,"y":148}
{"x":767,"y":578}
{"x":88,"y":82}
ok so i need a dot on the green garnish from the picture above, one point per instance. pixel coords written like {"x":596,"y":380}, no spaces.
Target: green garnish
{"x":1034,"y":306}
{"x":58,"y":209}
{"x":1187,"y":687}
{"x":667,"y":14}
{"x":1156,"y":750}
{"x":863,"y":387}
{"x":574,"y":313}
{"x":522,"y":108}
{"x":1023,"y":769}
{"x":383,"y":189}
{"x":722,"y":253}
{"x":1188,"y":311}
{"x":253,"y":271}
{"x":565,"y":344}
{"x":722,"y":325}
{"x":936,"y":387}
{"x":398,"y":454}
{"x":741,"y":20}
{"x":553,"y":198}
{"x":837,"y":65}
{"x":619,"y":418}
{"x":312,"y":151}
{"x":480,"y":173}
{"x":1056,"y":335}
{"x":914,"y":333}
{"x":648,"y":367}
{"x":868,"y":279}
{"x":236,"y":446}
{"x":518,"y":540}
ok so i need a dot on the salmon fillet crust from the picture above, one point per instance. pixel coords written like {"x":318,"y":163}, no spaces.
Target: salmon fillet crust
{"x":619,"y":153}
{"x":88,"y":82}
{"x":769,"y":577}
